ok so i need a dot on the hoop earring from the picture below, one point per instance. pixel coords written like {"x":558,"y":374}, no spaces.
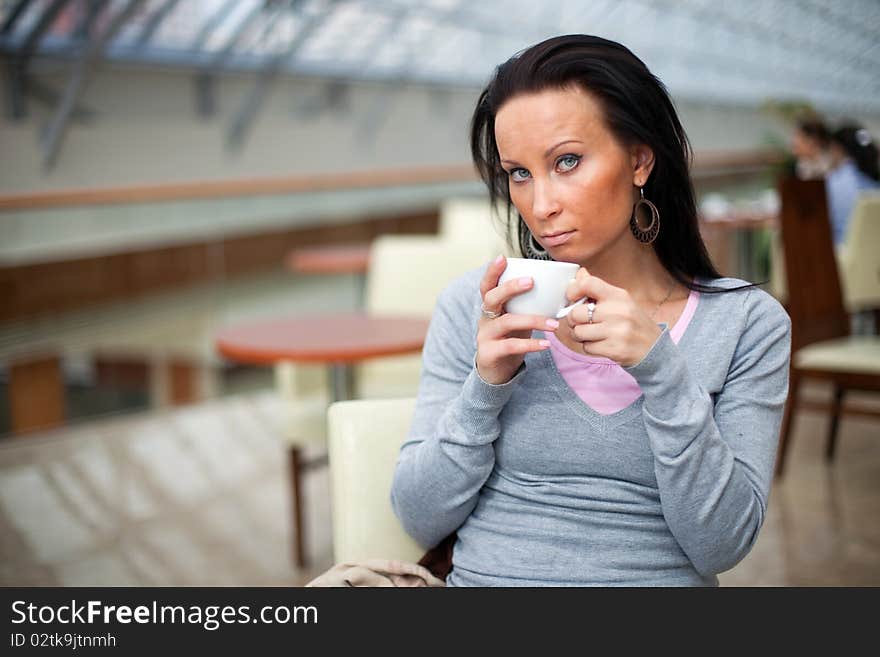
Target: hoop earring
{"x":649,"y":234}
{"x":529,"y":246}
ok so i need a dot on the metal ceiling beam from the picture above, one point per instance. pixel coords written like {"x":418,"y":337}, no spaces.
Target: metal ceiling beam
{"x":155,"y":21}
{"x":212,"y":24}
{"x":28,"y":87}
{"x":205,"y":77}
{"x":13,"y":16}
{"x":795,"y":41}
{"x":240,"y":30}
{"x":17,"y":73}
{"x":51,"y":99}
{"x":465,"y":18}
{"x":250,"y":106}
{"x":79,"y":79}
{"x":377,"y":113}
{"x":845,"y":21}
{"x":32,"y":40}
{"x":84,"y":27}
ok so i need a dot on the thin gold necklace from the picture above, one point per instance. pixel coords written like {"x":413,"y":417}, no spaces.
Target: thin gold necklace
{"x":665,"y":299}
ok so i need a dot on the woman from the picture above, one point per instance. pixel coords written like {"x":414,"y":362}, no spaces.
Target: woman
{"x":613,"y":447}
{"x":810,"y":142}
{"x":853,"y":170}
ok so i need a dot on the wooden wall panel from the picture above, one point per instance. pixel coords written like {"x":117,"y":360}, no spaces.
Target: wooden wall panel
{"x":49,"y":288}
{"x":36,"y":394}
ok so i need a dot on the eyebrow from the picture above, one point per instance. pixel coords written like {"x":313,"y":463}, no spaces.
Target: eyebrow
{"x":549,"y":150}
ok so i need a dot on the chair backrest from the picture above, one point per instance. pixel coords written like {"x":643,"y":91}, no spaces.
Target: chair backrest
{"x":860,"y":255}
{"x":472,"y":220}
{"x":365,"y":438}
{"x":815,"y":301}
{"x":408,"y":272}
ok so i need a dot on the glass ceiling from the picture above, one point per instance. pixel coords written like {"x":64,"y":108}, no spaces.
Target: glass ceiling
{"x":749,"y":51}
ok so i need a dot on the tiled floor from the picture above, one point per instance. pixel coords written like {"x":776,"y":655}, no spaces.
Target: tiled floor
{"x":823,"y":522}
{"x":199,"y":497}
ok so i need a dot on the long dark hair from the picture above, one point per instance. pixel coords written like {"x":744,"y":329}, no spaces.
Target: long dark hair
{"x":859,"y":145}
{"x":814,"y":128}
{"x":637,"y":110}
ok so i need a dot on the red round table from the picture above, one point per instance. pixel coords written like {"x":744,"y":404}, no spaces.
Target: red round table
{"x":330,"y":259}
{"x":353,"y":259}
{"x":338,"y":340}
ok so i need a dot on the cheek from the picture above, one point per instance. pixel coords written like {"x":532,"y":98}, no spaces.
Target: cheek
{"x":522,"y":200}
{"x":606,"y":193}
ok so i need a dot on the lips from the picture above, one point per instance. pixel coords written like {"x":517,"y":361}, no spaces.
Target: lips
{"x":555,"y":239}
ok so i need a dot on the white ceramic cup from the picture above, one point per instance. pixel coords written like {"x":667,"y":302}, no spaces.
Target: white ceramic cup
{"x":547,"y":296}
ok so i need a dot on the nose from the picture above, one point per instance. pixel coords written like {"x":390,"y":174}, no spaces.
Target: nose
{"x":545,"y":205}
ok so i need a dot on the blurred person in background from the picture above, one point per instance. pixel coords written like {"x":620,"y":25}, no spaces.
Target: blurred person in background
{"x":809,"y":145}
{"x":853,"y":169}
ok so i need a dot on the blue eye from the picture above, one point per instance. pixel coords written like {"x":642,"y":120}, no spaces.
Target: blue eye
{"x":519,"y":174}
{"x":567,"y":162}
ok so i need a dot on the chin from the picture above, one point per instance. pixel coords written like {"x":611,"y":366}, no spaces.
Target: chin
{"x":569,"y":253}
{"x":560,"y":257}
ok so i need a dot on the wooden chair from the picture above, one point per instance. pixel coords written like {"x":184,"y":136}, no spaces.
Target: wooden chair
{"x":822,"y":347}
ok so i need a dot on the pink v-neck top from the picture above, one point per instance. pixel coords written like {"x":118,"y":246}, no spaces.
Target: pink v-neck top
{"x":600,"y":382}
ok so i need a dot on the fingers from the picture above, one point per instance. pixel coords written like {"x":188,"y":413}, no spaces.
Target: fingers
{"x":572,"y":292}
{"x":407,"y":581}
{"x":493,"y":273}
{"x":587,"y":285}
{"x":589,"y":333}
{"x":361,"y":576}
{"x":499,"y":349}
{"x":394,"y":567}
{"x":511,"y":323}
{"x":495,"y":298}
{"x":581,"y":314}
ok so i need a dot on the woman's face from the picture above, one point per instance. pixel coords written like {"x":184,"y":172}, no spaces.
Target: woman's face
{"x":571,"y":180}
{"x":803,"y":146}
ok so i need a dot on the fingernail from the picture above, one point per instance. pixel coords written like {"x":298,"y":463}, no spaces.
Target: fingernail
{"x":552,"y":323}
{"x":544,"y":343}
{"x":525,"y":281}
{"x":499,"y":259}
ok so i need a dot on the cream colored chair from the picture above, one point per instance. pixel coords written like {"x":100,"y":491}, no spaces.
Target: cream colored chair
{"x":365,"y":438}
{"x":859,"y":257}
{"x":297,"y":415}
{"x":471,"y":220}
{"x":778,"y":282}
{"x":406,"y":275}
{"x":304,"y":391}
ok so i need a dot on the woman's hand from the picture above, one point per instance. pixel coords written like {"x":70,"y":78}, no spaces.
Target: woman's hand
{"x":620,"y":330}
{"x":503,"y":342}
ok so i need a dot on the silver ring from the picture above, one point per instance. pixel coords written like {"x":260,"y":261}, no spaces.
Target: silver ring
{"x":488,"y":314}
{"x":591,"y":308}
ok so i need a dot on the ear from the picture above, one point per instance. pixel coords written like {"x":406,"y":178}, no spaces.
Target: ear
{"x":642,"y":158}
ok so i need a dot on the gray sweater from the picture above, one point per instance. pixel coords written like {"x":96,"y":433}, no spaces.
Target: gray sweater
{"x":543,"y":490}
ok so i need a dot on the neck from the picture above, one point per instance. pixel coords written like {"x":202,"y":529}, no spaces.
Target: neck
{"x":634,"y":267}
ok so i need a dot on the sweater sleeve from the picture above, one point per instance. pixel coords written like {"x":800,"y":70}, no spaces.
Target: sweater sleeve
{"x":449,"y":453}
{"x":713,"y":459}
